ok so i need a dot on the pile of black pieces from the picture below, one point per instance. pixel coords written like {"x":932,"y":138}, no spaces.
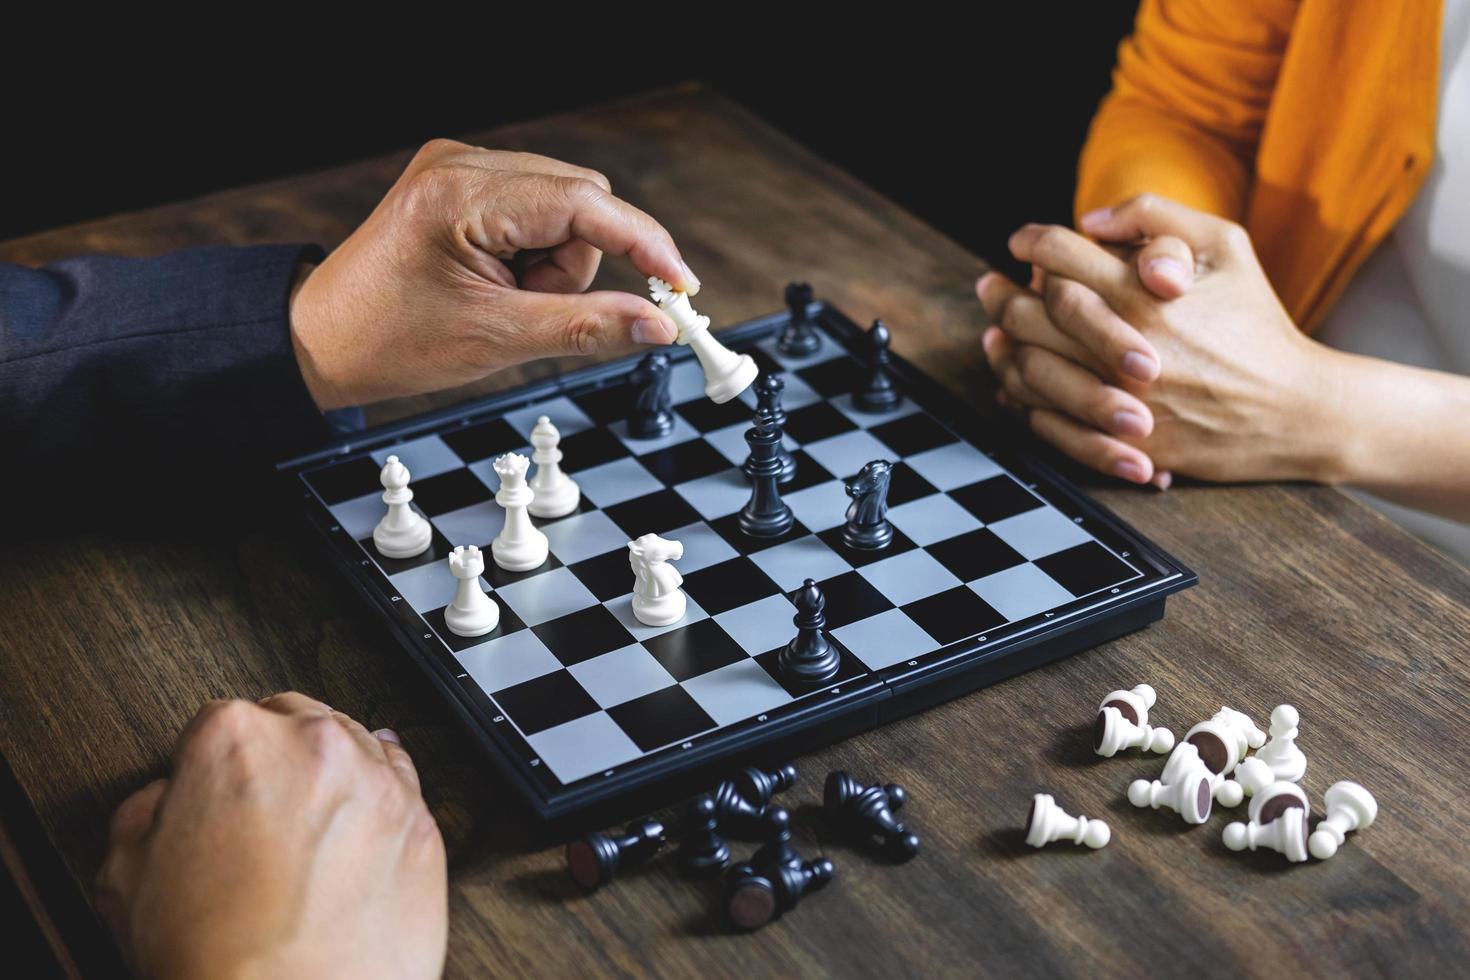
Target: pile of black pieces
{"x":775,"y":878}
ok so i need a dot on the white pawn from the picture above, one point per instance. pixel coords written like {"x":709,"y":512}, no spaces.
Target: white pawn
{"x":557,"y":494}
{"x":1189,"y":793}
{"x":1253,"y":775}
{"x":1122,"y":723}
{"x":726,"y":374}
{"x":1286,"y":760}
{"x":472,"y":613}
{"x":1349,"y":807}
{"x":403,"y":532}
{"x":657,"y":600}
{"x":1049,"y":822}
{"x":1253,"y":736}
{"x":1184,"y":758}
{"x":1278,"y":822}
{"x":520,"y":546}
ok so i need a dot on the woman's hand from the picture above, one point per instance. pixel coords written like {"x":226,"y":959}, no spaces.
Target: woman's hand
{"x":288,"y":841}
{"x":422,"y":296}
{"x":1216,"y":382}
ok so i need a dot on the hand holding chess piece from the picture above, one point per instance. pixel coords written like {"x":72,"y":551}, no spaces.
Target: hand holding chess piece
{"x":726,"y":373}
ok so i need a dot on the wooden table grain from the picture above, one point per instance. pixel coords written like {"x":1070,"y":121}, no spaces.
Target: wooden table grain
{"x":1304,"y":597}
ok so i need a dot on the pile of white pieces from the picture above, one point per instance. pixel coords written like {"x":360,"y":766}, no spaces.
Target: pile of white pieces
{"x":1209,"y":767}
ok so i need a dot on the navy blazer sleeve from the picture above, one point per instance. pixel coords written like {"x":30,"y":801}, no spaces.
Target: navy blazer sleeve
{"x":177,"y":369}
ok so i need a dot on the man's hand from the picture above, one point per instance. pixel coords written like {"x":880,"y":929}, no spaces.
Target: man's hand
{"x":1215,"y":381}
{"x":422,"y":296}
{"x":288,"y":841}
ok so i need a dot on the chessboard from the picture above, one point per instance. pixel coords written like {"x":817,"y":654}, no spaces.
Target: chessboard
{"x":997,"y":564}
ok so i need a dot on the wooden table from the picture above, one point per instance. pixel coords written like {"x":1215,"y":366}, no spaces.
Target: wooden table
{"x":1305,"y":597}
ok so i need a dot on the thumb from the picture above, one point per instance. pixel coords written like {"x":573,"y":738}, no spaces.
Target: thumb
{"x":1150,"y":216}
{"x":1166,"y":267}
{"x":554,"y":324}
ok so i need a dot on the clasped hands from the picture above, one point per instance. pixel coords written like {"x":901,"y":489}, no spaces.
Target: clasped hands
{"x":1157,"y":346}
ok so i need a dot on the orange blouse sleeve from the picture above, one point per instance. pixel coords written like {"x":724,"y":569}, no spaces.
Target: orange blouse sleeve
{"x":1190,"y":96}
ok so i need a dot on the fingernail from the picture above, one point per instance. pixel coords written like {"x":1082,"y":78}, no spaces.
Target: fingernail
{"x":691,"y":281}
{"x":1095,"y":217}
{"x":987,"y":339}
{"x":1127,"y":469}
{"x":984,"y":281}
{"x":1171,"y":269}
{"x":648,"y":331}
{"x":387,"y":735}
{"x":1163,"y":479}
{"x":1144,"y":367}
{"x":1129,"y":424}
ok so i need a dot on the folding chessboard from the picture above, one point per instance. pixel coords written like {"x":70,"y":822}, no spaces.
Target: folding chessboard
{"x":997,"y":565}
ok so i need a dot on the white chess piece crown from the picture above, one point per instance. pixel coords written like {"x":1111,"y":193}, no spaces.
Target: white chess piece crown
{"x":520,"y":546}
{"x":403,"y":532}
{"x":557,"y":494}
{"x":1049,"y":822}
{"x":726,"y":374}
{"x":472,"y":613}
{"x":1349,"y":807}
{"x":657,"y":600}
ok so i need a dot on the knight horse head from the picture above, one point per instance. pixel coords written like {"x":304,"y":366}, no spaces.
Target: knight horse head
{"x":872,"y":478}
{"x":651,"y":549}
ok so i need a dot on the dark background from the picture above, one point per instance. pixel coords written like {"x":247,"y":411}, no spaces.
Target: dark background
{"x":976,"y":129}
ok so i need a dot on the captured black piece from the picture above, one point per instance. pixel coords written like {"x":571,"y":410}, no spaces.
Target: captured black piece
{"x":800,"y":337}
{"x":753,"y":897}
{"x":651,"y":417}
{"x":758,"y":786}
{"x":735,"y":815}
{"x":702,"y":850}
{"x":596,"y":859}
{"x":879,"y":394}
{"x":777,"y":850}
{"x":865,"y":813}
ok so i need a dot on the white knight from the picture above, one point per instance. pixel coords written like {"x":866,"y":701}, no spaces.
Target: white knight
{"x":657,"y":600}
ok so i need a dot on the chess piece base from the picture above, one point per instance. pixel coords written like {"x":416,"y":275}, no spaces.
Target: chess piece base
{"x":809,"y":670}
{"x":721,"y":390}
{"x":472,"y":622}
{"x":661,"y":611}
{"x":520,"y":559}
{"x":868,"y":538}
{"x":557,"y":503}
{"x":651,"y":426}
{"x":798,"y":342}
{"x":407,"y":542}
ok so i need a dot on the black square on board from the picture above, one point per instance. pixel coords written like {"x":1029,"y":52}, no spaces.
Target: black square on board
{"x":848,"y":668}
{"x":913,"y":434}
{"x":728,"y":527}
{"x":838,"y":376}
{"x":590,"y":447}
{"x":728,"y":585}
{"x":582,"y":635}
{"x":764,"y":363}
{"x":657,"y":512}
{"x":694,"y":649}
{"x":545,"y":702}
{"x":818,"y":420}
{"x":808,"y":473}
{"x":706,"y":416}
{"x":684,"y":462}
{"x":1086,"y":568}
{"x":607,"y":405}
{"x":857,"y":558}
{"x":606,"y":576}
{"x":337,"y":482}
{"x":905,"y":484}
{"x":500,"y":578}
{"x":850,"y":597}
{"x":438,"y":550}
{"x":661,"y":718}
{"x":995,"y":499}
{"x":954,"y":614}
{"x":449,"y":491}
{"x":975,"y":554}
{"x":509,"y":623}
{"x":484,"y":440}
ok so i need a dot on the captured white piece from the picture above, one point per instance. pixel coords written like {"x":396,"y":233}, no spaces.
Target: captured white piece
{"x":520,"y":546}
{"x":557,"y":494}
{"x":657,"y":600}
{"x":1048,"y":822}
{"x":726,"y":374}
{"x":403,"y":532}
{"x":472,"y":613}
{"x":1122,"y":723}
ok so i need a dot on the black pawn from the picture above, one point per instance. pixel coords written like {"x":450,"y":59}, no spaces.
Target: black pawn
{"x":867,"y":527}
{"x":736,"y":816}
{"x":768,"y":390}
{"x":810,"y":658}
{"x":766,"y":515}
{"x":651,"y":417}
{"x":758,"y":786}
{"x":866,"y":813}
{"x":755,"y":897}
{"x":777,"y":850}
{"x":596,"y":859}
{"x":799,"y":339}
{"x":702,"y":851}
{"x":879,"y":394}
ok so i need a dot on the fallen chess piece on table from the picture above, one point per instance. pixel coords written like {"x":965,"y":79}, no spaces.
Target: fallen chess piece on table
{"x":702,"y":850}
{"x":1122,"y":723}
{"x":755,"y":896}
{"x":777,"y":850}
{"x":1278,"y":822}
{"x":1350,"y":807}
{"x":866,"y":813}
{"x":758,"y":785}
{"x":726,"y":374}
{"x":1048,"y":822}
{"x":1280,"y":753}
{"x":1187,"y":790}
{"x":597,"y":858}
{"x":403,"y":532}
